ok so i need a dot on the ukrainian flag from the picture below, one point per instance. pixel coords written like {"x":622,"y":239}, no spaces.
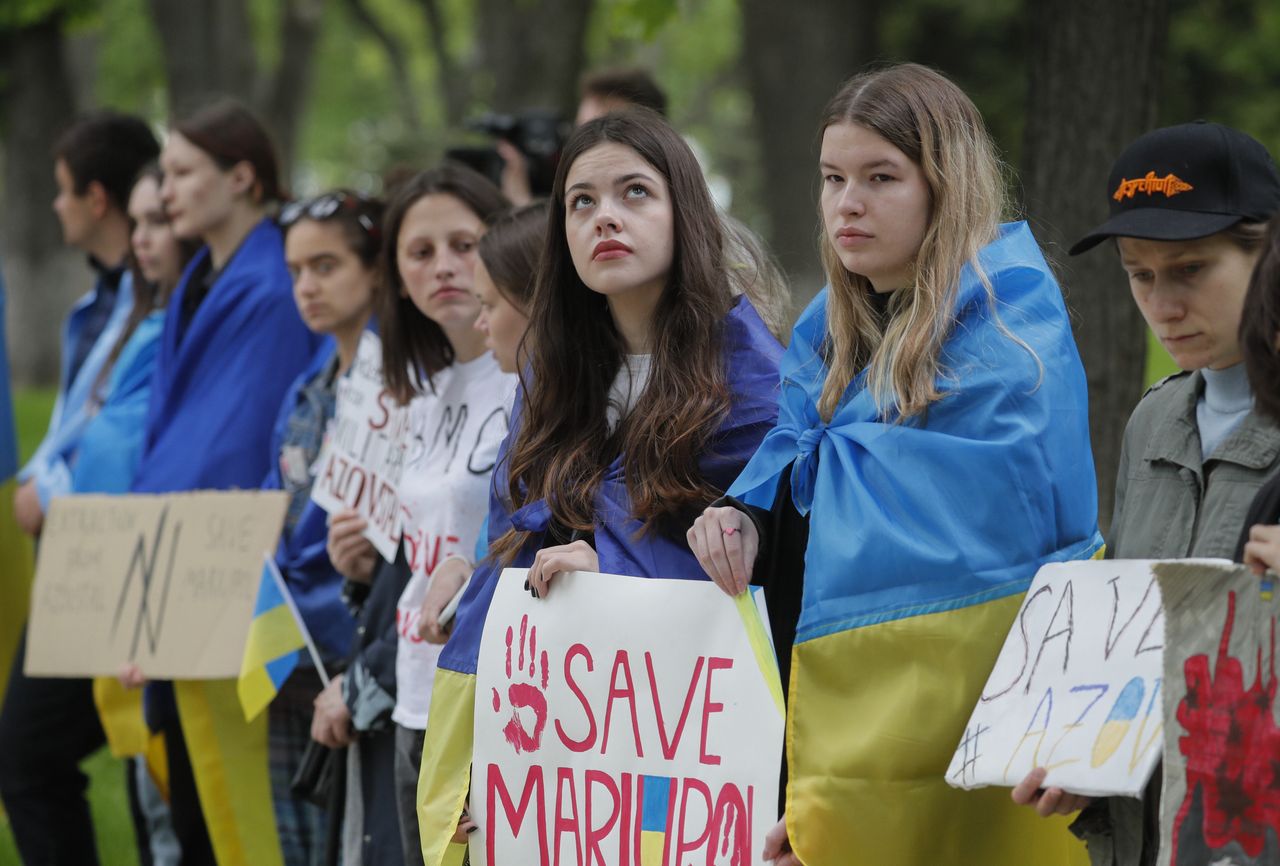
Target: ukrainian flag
{"x":924,"y":534}
{"x":271,"y":650}
{"x":656,"y":798}
{"x":15,"y":546}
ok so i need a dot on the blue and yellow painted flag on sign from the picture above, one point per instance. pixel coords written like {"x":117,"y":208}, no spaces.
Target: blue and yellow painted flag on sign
{"x":15,"y":546}
{"x":655,"y":818}
{"x":271,"y":649}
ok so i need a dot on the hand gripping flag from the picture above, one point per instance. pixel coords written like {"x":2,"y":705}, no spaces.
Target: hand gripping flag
{"x":276,"y":634}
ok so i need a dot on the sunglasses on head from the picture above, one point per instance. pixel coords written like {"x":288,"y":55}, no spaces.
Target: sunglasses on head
{"x":326,"y":206}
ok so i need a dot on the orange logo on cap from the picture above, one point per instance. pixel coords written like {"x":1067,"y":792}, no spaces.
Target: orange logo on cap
{"x":1170,"y":185}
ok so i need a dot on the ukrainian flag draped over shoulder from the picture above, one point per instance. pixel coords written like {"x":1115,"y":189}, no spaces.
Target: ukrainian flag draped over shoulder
{"x":15,"y":547}
{"x":923,"y":536}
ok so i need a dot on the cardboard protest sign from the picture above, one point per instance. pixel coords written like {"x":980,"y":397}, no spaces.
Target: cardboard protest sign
{"x":363,"y":459}
{"x":1221,"y":796}
{"x":624,"y":720}
{"x":1076,"y":687}
{"x":165,"y":582}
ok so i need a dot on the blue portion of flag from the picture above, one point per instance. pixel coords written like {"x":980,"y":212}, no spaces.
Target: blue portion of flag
{"x":280,"y":669}
{"x":657,"y":801}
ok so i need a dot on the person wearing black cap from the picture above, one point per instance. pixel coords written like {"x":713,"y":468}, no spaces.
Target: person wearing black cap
{"x":1189,"y":205}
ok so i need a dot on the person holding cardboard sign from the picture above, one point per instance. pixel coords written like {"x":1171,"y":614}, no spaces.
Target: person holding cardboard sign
{"x":1188,"y":209}
{"x":931,"y":453}
{"x":649,"y":386}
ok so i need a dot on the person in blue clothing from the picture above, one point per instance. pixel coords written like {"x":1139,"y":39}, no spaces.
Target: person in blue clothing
{"x":331,"y":248}
{"x":48,"y":726}
{"x":231,"y":345}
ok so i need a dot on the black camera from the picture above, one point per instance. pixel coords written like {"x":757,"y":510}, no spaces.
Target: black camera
{"x":537,"y":133}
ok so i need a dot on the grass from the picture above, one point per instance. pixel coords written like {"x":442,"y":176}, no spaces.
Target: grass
{"x":107,"y":798}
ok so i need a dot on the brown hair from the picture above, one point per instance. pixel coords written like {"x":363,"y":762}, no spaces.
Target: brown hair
{"x":230,"y":134}
{"x":109,"y":148}
{"x":926,"y":116}
{"x":1260,"y":323}
{"x":413,"y":346}
{"x":633,"y":86}
{"x":510,"y":249}
{"x":563,"y":445}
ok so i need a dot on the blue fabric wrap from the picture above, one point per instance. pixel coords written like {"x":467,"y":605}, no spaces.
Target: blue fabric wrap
{"x":218,"y":387}
{"x":50,"y":465}
{"x":303,"y":561}
{"x":751,"y":364}
{"x":112,"y":442}
{"x":959,"y":506}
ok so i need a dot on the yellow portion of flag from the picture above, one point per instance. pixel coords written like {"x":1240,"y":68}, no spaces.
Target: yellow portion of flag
{"x":761,"y":647}
{"x":446,"y":766}
{"x":120,"y":710}
{"x":16,"y":571}
{"x":875,"y":715}
{"x":229,"y":761}
{"x":652,"y":845}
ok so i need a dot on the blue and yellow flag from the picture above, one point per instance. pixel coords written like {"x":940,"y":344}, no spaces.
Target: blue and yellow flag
{"x":271,"y":649}
{"x":924,"y":533}
{"x":15,"y":547}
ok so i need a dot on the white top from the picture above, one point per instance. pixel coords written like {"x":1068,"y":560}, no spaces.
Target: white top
{"x":627,"y":387}
{"x":445,"y":493}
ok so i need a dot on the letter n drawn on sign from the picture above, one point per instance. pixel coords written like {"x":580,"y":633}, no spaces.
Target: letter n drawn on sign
{"x":144,"y":568}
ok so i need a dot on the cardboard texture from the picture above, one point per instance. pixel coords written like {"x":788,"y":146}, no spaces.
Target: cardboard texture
{"x":165,"y":582}
{"x":623,"y":720}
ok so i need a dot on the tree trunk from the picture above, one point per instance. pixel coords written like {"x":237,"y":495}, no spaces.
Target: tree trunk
{"x":532,"y":53}
{"x":287,"y":89}
{"x":1095,"y":74}
{"x":796,"y":55}
{"x":42,"y":277}
{"x":400,"y":75}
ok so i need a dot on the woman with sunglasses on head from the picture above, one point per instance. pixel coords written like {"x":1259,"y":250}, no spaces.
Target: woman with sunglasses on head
{"x":931,"y":453}
{"x":435,"y":363}
{"x":331,"y":245}
{"x":231,"y":345}
{"x":648,"y":386}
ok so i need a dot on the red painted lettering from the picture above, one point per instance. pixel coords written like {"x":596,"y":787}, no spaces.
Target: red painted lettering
{"x":533,"y":791}
{"x":621,"y":663}
{"x":669,"y":747}
{"x":595,"y":835}
{"x":590,"y":739}
{"x":708,"y":707}
{"x":567,"y":823}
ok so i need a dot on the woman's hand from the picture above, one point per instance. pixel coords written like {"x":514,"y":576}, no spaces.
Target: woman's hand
{"x":465,"y":828}
{"x":578,"y":556}
{"x":777,"y":846}
{"x":1046,"y":801}
{"x":26,"y":508}
{"x":445,"y":582}
{"x":130,"y":676}
{"x":331,"y":724}
{"x":1262,"y":551}
{"x":352,"y":555}
{"x":725,"y":542}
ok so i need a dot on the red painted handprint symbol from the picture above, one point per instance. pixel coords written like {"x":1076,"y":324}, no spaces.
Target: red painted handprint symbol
{"x":522,"y":696}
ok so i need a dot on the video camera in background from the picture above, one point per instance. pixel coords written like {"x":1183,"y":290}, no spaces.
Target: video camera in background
{"x":537,"y":133}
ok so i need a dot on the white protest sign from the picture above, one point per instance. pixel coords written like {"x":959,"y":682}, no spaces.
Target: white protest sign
{"x":363,"y":458}
{"x":1077,"y":686}
{"x":624,"y":720}
{"x":164,"y":582}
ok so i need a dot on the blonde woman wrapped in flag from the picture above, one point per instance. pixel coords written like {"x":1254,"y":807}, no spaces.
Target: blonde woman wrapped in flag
{"x":931,"y":453}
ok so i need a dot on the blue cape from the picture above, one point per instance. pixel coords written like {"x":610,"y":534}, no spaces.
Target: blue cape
{"x":219,"y":385}
{"x":302,"y":558}
{"x":963,"y":504}
{"x":751,"y":363}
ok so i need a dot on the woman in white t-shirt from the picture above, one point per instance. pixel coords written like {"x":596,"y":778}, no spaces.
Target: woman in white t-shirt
{"x":435,"y":361}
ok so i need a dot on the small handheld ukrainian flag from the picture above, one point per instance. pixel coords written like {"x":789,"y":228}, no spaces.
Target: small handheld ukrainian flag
{"x":276,"y":635}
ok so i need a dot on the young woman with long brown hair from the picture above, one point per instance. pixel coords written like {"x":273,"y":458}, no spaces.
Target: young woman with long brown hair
{"x":649,"y":385}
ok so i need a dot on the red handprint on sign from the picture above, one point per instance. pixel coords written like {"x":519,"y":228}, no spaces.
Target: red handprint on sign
{"x":525,"y":698}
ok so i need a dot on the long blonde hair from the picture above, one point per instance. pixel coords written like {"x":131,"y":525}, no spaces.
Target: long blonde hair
{"x":931,"y":120}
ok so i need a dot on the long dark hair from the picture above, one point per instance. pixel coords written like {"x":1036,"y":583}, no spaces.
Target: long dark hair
{"x":1260,"y":325}
{"x":230,"y":134}
{"x":414,"y":348}
{"x":510,"y":249}
{"x":147,"y":296}
{"x":564,"y":446}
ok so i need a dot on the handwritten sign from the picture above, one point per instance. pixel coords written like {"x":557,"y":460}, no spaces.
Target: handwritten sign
{"x":1221,"y":800}
{"x":363,"y":459}
{"x":623,"y":720}
{"x":1076,"y":688}
{"x":165,"y":582}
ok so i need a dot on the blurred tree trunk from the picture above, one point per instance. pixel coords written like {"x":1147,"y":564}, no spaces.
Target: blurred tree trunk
{"x":42,"y":277}
{"x":209,"y":52}
{"x":796,"y":55}
{"x":1095,"y":71}
{"x":532,"y":52}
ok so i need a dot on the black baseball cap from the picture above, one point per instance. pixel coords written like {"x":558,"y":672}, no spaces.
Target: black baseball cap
{"x":1185,"y":182}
